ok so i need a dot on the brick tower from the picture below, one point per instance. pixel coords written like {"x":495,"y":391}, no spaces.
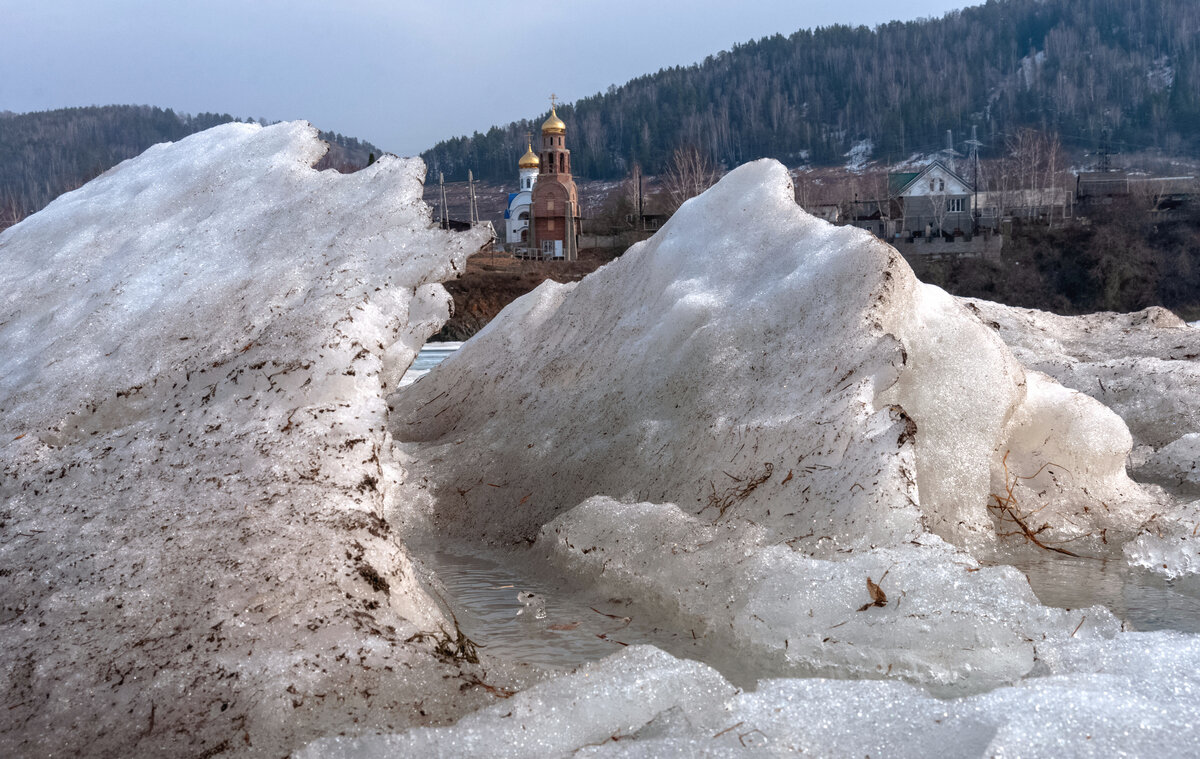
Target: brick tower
{"x":555,"y":199}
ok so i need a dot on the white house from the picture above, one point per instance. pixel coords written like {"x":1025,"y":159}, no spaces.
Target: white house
{"x":931,"y":201}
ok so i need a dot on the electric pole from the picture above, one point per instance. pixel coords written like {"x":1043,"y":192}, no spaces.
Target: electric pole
{"x":471,"y":193}
{"x":442,"y":191}
{"x":975,"y":145}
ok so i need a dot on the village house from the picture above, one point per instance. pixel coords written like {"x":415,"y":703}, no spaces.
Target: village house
{"x":932,"y":201}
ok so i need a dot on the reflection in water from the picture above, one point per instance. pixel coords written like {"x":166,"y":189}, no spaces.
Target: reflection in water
{"x":1141,"y":599}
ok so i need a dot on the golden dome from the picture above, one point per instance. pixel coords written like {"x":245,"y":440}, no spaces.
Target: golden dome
{"x":529,"y":160}
{"x":554,"y":125}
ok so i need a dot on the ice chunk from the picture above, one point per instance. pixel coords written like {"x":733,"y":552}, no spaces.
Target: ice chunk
{"x":1142,"y":365}
{"x":747,"y":376}
{"x":773,"y":368}
{"x":1175,"y":466}
{"x":1170,"y":543}
{"x":742,"y":419}
{"x":609,"y":700}
{"x":194,"y":352}
{"x":1131,"y":696}
{"x":765,"y":608}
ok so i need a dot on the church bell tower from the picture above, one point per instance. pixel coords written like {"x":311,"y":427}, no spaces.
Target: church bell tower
{"x":555,"y":198}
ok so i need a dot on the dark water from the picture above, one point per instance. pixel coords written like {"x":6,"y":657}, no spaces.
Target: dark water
{"x":1143,"y":600}
{"x":575,"y":629}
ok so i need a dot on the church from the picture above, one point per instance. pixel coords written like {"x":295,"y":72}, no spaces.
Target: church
{"x":543,"y":217}
{"x":516,"y":216}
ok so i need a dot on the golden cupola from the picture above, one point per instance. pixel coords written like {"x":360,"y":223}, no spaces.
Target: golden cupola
{"x":529,"y":160}
{"x":554,"y":125}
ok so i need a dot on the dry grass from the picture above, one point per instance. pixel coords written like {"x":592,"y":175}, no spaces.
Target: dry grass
{"x":1007,"y":509}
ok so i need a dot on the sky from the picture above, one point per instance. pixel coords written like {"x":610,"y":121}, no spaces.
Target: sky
{"x":400,"y":74}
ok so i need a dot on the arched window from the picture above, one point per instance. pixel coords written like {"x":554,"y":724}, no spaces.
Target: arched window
{"x":562,"y":163}
{"x":523,"y":216}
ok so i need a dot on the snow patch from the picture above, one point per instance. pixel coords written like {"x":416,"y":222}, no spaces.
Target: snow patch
{"x":859,"y":156}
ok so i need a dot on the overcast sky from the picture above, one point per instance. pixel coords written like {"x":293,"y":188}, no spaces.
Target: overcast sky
{"x":400,"y":74}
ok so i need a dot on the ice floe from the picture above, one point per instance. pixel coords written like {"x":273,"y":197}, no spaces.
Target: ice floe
{"x":194,"y":352}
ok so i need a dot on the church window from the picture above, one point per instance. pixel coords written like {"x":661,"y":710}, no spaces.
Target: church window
{"x":550,"y":204}
{"x":562,"y":163}
{"x":550,"y":224}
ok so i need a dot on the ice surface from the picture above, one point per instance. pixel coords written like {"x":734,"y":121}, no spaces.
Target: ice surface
{"x":775,"y":610}
{"x":616,"y":697}
{"x":1135,"y":696}
{"x":194,"y":351}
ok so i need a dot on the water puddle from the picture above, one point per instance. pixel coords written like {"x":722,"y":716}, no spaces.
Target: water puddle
{"x":1143,"y":600}
{"x":558,"y":627}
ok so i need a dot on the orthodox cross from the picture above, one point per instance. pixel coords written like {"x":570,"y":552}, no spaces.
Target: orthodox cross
{"x":553,"y":101}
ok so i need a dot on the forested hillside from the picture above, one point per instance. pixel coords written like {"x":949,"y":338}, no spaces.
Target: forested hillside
{"x":47,"y":153}
{"x":1081,"y":68}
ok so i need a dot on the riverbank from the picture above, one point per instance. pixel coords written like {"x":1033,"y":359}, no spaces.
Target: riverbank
{"x":493,"y":280}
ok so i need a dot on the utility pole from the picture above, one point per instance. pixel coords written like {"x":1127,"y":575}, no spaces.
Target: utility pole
{"x":975,"y":145}
{"x":442,"y":190}
{"x":572,"y":251}
{"x":471,"y":193}
{"x":1105,"y":165}
{"x":949,"y":150}
{"x":639,"y":209}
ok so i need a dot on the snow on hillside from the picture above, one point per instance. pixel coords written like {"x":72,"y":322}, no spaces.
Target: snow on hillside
{"x":194,"y":350}
{"x":859,"y":155}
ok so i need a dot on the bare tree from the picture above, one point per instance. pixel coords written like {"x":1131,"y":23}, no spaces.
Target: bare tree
{"x":1035,"y":159}
{"x":690,"y":173}
{"x":633,"y":194}
{"x":939,"y":206}
{"x":10,"y":211}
